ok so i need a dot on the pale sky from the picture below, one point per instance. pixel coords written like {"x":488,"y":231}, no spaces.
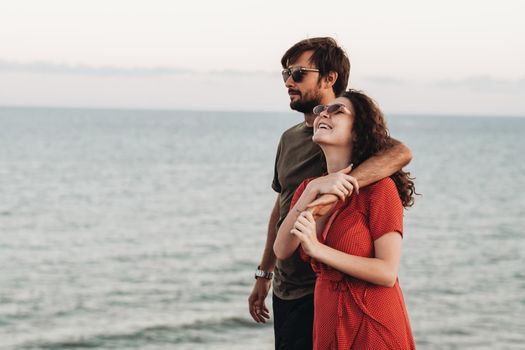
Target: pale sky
{"x":440,"y":57}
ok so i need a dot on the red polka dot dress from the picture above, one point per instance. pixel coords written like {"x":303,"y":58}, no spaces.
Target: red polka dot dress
{"x":350,"y":313}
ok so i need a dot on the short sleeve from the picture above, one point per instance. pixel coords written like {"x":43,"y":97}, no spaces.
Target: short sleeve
{"x":276,"y":185}
{"x":386,"y":209}
{"x":299,"y":191}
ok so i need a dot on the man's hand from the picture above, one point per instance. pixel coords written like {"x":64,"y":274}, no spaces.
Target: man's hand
{"x":256,"y":301}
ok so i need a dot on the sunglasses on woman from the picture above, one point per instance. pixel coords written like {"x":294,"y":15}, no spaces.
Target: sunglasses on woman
{"x":330,"y":109}
{"x":297,"y":73}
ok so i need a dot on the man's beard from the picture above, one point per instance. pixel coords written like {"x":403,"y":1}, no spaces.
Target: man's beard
{"x":307,"y":103}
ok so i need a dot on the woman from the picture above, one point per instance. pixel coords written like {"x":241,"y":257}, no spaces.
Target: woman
{"x":355,"y":248}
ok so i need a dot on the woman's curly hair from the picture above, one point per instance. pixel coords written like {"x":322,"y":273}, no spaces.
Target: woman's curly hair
{"x":372,"y":137}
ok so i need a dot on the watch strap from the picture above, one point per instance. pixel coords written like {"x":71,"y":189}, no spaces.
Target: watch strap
{"x":263,"y":274}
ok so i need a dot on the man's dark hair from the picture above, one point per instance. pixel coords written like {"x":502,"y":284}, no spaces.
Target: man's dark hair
{"x":327,"y":56}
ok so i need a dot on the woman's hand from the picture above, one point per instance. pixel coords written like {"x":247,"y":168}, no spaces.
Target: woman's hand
{"x":339,"y":184}
{"x":305,"y":230}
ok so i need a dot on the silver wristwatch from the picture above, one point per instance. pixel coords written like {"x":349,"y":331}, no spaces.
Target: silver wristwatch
{"x":263,"y":274}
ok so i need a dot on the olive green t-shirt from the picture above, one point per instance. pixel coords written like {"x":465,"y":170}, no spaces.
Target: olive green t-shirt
{"x":297,"y":159}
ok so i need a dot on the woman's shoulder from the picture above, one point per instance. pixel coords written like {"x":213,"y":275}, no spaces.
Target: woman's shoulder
{"x":383,"y":187}
{"x":384,"y":183}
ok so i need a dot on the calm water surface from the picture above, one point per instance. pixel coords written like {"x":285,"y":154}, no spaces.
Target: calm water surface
{"x":142,"y":229}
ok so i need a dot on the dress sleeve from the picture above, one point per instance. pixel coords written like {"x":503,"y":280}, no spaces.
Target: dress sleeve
{"x":298,"y":192}
{"x":296,"y":196}
{"x":386,"y":209}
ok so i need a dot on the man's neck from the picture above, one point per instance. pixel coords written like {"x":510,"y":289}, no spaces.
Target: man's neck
{"x":309,"y":119}
{"x":326,"y":97}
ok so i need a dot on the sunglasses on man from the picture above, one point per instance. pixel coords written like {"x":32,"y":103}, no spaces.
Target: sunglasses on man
{"x":297,"y":73}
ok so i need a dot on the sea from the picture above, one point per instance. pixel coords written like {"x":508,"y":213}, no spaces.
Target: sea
{"x":141,"y":229}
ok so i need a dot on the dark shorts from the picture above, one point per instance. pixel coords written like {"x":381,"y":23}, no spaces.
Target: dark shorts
{"x":293,"y":322}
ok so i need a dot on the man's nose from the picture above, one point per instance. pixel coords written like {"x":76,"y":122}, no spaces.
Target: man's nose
{"x":289,"y":83}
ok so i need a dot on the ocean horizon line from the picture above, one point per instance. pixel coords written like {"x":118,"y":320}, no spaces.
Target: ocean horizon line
{"x":237,"y":111}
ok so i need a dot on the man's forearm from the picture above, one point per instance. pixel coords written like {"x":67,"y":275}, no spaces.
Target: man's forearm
{"x":268,"y":258}
{"x":383,"y":164}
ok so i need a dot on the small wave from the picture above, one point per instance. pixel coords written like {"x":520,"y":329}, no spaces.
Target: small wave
{"x":200,"y":331}
{"x":456,"y":331}
{"x":73,"y":344}
{"x":221,"y":324}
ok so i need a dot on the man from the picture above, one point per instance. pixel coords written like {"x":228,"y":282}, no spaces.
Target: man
{"x":315,"y":72}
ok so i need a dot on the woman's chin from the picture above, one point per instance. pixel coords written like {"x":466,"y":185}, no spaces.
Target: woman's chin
{"x":319,"y":139}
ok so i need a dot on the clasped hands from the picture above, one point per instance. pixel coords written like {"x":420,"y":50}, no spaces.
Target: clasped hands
{"x":329,"y":189}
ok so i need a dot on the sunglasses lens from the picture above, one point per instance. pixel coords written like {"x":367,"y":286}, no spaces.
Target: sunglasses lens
{"x":319,"y":109}
{"x":297,"y":74}
{"x":286,"y":74}
{"x":333,"y":108}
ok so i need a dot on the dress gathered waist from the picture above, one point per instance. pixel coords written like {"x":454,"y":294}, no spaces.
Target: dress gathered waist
{"x":351,"y":293}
